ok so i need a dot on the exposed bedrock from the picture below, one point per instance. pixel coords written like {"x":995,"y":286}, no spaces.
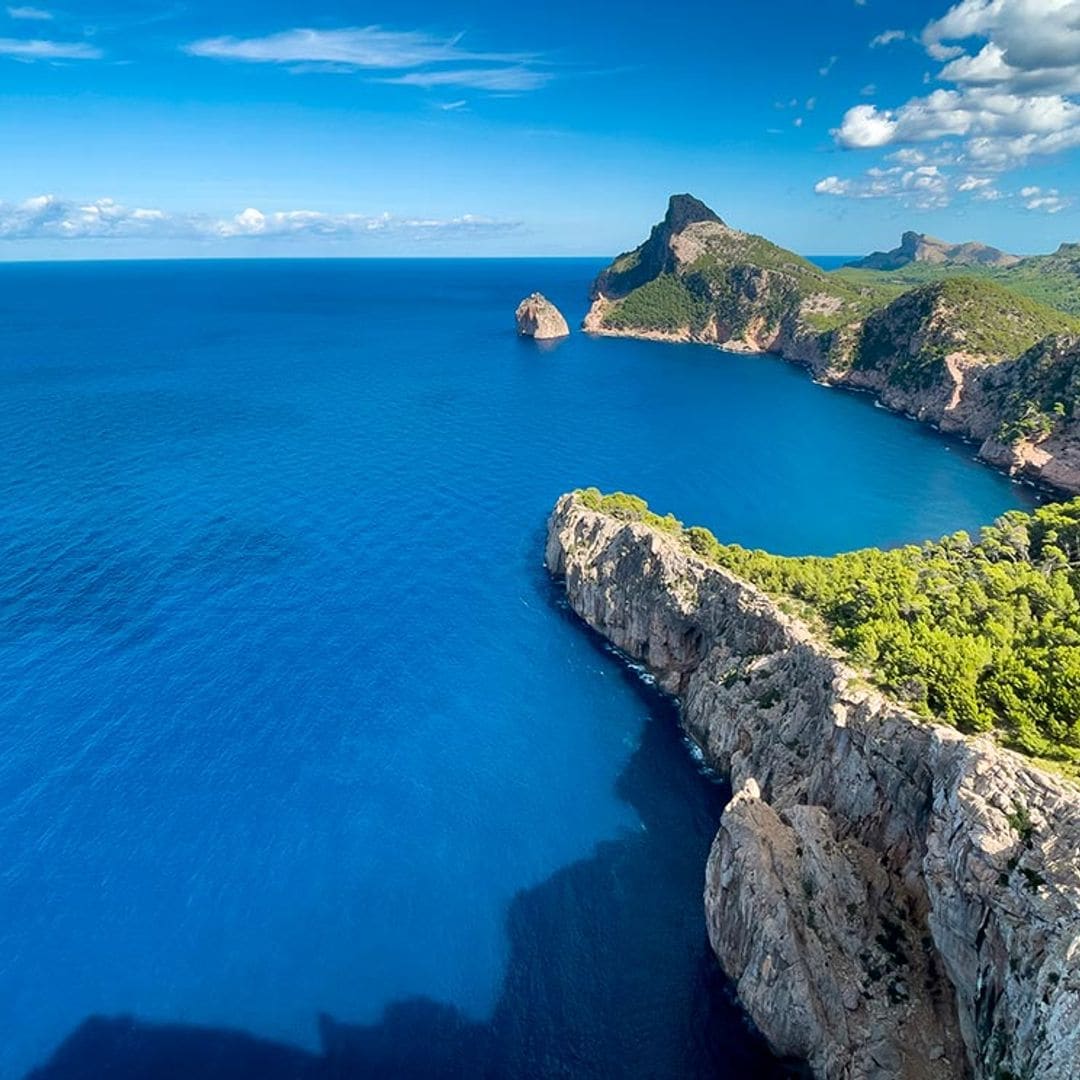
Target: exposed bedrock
{"x":891,"y":898}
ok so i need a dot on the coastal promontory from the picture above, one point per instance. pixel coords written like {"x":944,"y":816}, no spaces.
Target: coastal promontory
{"x":894,"y":895}
{"x":973,"y":351}
{"x":537,"y":317}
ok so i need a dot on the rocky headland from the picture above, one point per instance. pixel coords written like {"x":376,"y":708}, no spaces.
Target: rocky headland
{"x":537,"y":317}
{"x":967,"y":354}
{"x":892,"y":899}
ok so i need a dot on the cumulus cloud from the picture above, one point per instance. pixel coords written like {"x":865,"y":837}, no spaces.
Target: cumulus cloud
{"x":1011,"y":86}
{"x":1048,"y":200}
{"x":832,"y":185}
{"x":50,"y":217}
{"x":425,"y":59}
{"x":31,"y":49}
{"x":924,"y":187}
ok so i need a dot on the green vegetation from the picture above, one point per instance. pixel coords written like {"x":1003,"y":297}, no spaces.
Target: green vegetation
{"x":1053,"y":280}
{"x":913,"y":335}
{"x":665,"y":303}
{"x":1042,"y":392}
{"x":983,"y":635}
{"x":739,"y":278}
{"x":728,"y":281}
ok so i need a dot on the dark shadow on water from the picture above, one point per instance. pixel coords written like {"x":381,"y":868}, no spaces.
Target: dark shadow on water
{"x":609,"y":974}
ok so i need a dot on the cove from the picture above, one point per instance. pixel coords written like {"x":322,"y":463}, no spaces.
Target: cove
{"x":294,"y":724}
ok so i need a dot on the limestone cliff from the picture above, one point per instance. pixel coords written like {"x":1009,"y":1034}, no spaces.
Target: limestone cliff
{"x":537,"y":317}
{"x":891,"y":898}
{"x":955,"y":353}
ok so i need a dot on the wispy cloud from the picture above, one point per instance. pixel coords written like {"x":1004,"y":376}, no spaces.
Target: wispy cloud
{"x":50,"y":217}
{"x":31,"y":13}
{"x":887,"y":37}
{"x":423,"y":59}
{"x":36,"y":49}
{"x":497,"y":80}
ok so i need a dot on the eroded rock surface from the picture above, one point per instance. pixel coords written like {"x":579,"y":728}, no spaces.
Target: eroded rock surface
{"x":891,"y":898}
{"x":537,"y":317}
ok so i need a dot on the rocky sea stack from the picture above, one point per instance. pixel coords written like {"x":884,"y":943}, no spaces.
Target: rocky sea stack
{"x":538,"y":317}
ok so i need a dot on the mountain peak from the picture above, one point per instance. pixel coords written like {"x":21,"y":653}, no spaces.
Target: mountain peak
{"x":684,"y":210}
{"x":921,"y":248}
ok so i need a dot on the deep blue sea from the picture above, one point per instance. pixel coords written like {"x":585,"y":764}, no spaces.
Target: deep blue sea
{"x":304,"y":766}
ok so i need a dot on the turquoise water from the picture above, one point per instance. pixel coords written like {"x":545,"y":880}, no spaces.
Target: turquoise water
{"x":293,"y":722}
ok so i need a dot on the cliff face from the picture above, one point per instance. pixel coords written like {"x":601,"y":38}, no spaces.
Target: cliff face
{"x":918,"y":247}
{"x":955,"y":353}
{"x":891,"y":898}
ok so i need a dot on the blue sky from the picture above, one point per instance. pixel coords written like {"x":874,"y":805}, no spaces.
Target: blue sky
{"x":277,"y":127}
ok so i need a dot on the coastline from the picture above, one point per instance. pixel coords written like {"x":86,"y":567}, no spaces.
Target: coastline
{"x":1038,"y":481}
{"x":847,"y":801}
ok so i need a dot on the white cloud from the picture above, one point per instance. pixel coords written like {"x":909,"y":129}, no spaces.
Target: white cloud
{"x":973,"y":183}
{"x":497,"y":80}
{"x":1011,"y":75}
{"x":832,"y":185}
{"x":923,"y":187}
{"x":31,"y":49}
{"x":30,"y":13}
{"x":864,"y":126}
{"x":887,"y":37}
{"x":827,"y":66}
{"x":426,"y":60}
{"x":49,"y":217}
{"x":1048,"y":201}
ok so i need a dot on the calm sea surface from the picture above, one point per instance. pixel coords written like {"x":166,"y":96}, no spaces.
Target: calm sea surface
{"x":293,"y":724}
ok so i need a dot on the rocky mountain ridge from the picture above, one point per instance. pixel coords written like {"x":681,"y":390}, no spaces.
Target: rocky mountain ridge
{"x":964,"y":354}
{"x":891,"y":898}
{"x":920,"y":248}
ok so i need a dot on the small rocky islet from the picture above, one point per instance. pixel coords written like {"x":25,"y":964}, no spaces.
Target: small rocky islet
{"x":537,"y":317}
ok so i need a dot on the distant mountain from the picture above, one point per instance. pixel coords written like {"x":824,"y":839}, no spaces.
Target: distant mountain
{"x":920,"y":248}
{"x":968,"y":349}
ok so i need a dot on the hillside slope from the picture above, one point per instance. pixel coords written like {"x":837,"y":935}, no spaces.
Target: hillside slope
{"x":953,"y":353}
